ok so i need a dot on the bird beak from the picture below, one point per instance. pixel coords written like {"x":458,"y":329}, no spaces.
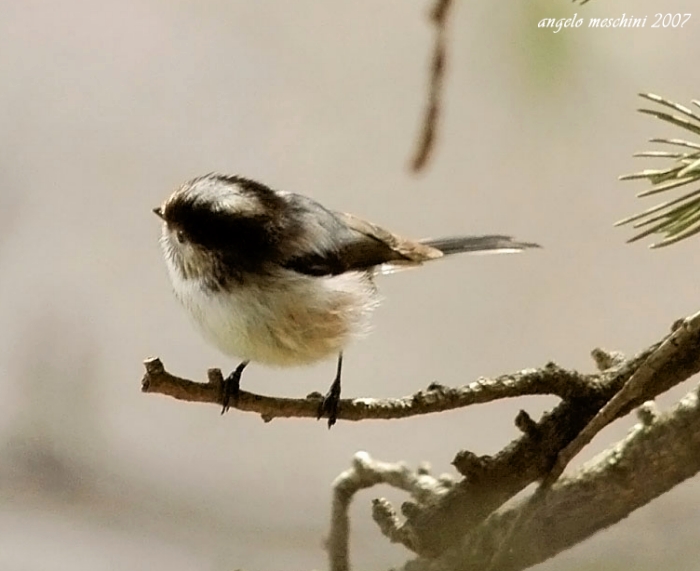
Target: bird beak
{"x":158,"y":212}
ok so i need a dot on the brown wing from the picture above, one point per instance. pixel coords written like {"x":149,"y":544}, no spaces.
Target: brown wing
{"x":391,"y":247}
{"x":344,"y":243}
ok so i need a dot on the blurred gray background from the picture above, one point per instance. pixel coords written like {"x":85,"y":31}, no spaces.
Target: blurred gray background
{"x":105,"y":107}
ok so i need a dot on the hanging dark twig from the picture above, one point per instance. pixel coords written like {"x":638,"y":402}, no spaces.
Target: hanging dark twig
{"x":426,"y":141}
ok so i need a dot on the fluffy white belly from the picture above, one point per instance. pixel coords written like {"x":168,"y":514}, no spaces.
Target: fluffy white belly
{"x":310,"y":319}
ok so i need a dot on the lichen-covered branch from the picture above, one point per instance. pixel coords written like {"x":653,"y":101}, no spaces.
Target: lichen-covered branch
{"x":634,"y":389}
{"x":366,"y":472}
{"x":660,"y":452}
{"x":490,"y":481}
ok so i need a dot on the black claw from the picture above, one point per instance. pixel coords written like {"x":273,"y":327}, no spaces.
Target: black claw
{"x":330,"y":402}
{"x":232,"y":387}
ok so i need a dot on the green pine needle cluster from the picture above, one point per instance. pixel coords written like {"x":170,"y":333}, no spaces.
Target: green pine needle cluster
{"x":679,"y":217}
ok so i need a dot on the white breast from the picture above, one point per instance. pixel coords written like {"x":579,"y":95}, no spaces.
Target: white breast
{"x":290,"y":319}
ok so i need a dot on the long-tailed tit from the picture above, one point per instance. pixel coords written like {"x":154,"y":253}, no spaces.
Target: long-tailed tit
{"x":274,"y":277}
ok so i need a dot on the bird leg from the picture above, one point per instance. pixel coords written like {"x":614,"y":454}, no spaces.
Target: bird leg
{"x":329,"y":404}
{"x":232,"y":386}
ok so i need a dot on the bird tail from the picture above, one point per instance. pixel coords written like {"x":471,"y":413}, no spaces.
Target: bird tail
{"x":493,"y":244}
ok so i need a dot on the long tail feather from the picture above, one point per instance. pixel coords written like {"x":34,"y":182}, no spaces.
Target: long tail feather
{"x":476,"y":244}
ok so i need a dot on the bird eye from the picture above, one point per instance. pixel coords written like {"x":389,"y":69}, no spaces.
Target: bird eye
{"x":181,"y":236}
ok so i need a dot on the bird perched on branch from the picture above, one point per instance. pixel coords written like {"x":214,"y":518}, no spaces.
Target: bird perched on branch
{"x":275,"y":277}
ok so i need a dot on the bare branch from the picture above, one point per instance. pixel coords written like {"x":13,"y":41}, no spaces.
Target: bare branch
{"x":365,"y":473}
{"x":530,"y":458}
{"x":661,"y":451}
{"x":633,"y":389}
{"x":426,"y":142}
{"x":550,"y":379}
{"x":658,"y":454}
{"x":439,"y":523}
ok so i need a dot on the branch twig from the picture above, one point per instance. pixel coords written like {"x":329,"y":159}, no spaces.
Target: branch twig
{"x":366,"y":472}
{"x":492,"y":481}
{"x":437,"y":526}
{"x":632,"y":390}
{"x":426,"y":141}
{"x":660,"y":452}
{"x":550,"y":379}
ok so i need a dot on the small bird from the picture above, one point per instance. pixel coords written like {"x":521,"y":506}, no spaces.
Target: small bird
{"x":275,"y":277}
